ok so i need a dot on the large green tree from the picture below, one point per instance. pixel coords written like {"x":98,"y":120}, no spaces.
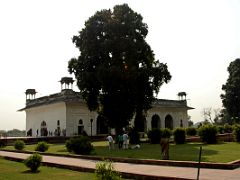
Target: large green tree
{"x":231,"y":97}
{"x":116,"y":71}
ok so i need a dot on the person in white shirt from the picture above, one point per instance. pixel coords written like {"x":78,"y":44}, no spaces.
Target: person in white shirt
{"x":110,"y":142}
{"x":125,"y":141}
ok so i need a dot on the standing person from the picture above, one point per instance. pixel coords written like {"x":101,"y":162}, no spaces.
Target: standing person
{"x":165,"y":148}
{"x":120,"y":141}
{"x":110,"y":142}
{"x":125,"y":141}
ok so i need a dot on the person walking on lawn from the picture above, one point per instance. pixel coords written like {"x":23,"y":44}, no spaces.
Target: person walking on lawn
{"x":110,"y":142}
{"x":120,"y":141}
{"x":125,"y":141}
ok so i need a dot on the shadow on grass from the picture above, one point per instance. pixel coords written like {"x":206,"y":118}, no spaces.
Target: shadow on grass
{"x":30,"y":172}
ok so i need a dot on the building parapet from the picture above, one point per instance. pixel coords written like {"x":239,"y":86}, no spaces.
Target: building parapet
{"x":66,"y":95}
{"x":171,"y":103}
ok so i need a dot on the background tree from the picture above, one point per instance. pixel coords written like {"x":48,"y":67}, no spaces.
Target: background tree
{"x":231,"y":97}
{"x":211,"y":115}
{"x":224,"y":117}
{"x":207,"y":114}
{"x":116,"y":71}
{"x":190,"y":122}
{"x":217,"y":116}
{"x":13,"y":133}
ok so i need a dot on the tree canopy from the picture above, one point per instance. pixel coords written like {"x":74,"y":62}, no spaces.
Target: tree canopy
{"x":231,"y":98}
{"x":116,"y":71}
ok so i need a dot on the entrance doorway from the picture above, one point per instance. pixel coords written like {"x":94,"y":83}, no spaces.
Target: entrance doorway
{"x":156,"y":124}
{"x":43,"y":129}
{"x":80,"y":129}
{"x":169,"y":122}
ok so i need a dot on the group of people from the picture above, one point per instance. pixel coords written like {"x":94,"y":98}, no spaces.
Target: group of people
{"x":122,"y":140}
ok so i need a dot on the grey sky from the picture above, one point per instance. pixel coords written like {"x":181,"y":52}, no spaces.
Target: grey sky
{"x":197,"y":39}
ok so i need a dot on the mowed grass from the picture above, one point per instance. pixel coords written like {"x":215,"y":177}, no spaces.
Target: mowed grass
{"x":221,"y":152}
{"x":10,"y":170}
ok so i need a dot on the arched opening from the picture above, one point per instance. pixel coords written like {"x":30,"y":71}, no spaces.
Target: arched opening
{"x":181,"y":123}
{"x":58,"y":133}
{"x":102,"y":127}
{"x":80,"y":127}
{"x":156,"y":123}
{"x":169,"y":122}
{"x":80,"y":121}
{"x":29,"y":132}
{"x":43,"y":131}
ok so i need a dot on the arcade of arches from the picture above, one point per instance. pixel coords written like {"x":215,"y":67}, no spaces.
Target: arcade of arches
{"x":71,"y":115}
{"x":169,"y":122}
{"x":102,"y":128}
{"x":156,"y":121}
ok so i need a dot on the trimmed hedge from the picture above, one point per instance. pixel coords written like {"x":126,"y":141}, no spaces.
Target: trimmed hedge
{"x":179,"y":135}
{"x":166,"y":133}
{"x":191,"y":131}
{"x":19,"y":144}
{"x":154,"y":136}
{"x":79,"y":145}
{"x":228,"y":128}
{"x":220,"y":129}
{"x":42,"y":146}
{"x":105,"y":170}
{"x":208,"y":134}
{"x":236,"y":132}
{"x":33,"y":162}
{"x":2,"y":143}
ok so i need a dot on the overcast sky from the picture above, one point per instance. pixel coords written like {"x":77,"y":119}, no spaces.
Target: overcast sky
{"x":196,"y":38}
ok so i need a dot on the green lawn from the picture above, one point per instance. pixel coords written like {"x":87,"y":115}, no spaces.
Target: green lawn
{"x":10,"y":170}
{"x":222,"y":152}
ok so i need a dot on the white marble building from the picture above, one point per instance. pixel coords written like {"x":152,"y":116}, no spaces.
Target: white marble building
{"x":66,"y":113}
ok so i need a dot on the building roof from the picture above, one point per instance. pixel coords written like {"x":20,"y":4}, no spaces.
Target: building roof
{"x":171,"y":103}
{"x":68,"y":95}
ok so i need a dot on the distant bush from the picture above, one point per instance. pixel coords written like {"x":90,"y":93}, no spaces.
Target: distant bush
{"x":105,"y":171}
{"x":134,"y":137}
{"x":208,"y":134}
{"x":42,"y":146}
{"x":166,"y":133}
{"x":154,"y":136}
{"x":179,"y":135}
{"x":228,"y":128}
{"x":191,"y":131}
{"x":33,"y":162}
{"x":79,"y":145}
{"x":236,"y":132}
{"x":220,"y":129}
{"x":19,"y":144}
{"x":2,"y":143}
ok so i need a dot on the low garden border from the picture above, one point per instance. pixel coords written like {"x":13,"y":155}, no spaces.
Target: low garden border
{"x":231,"y":165}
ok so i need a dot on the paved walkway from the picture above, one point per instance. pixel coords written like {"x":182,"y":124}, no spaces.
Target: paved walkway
{"x":145,"y":171}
